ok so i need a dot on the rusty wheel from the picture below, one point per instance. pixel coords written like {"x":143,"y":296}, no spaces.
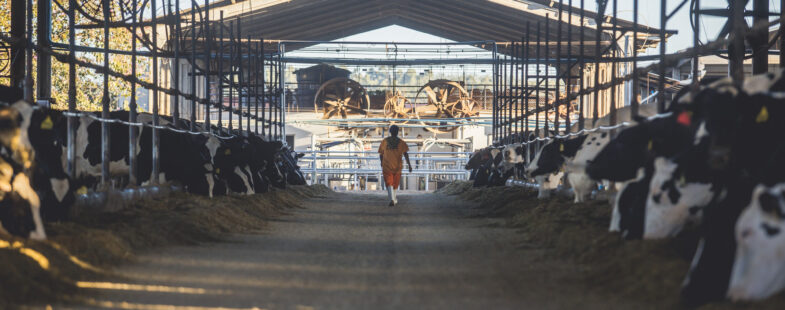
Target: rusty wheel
{"x":342,"y":96}
{"x":446,"y":99}
{"x":396,"y":107}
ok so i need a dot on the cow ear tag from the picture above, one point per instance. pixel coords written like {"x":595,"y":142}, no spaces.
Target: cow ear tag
{"x":685,"y":118}
{"x":651,"y":145}
{"x":763,"y":115}
{"x":47,"y":123}
{"x":217,"y":170}
{"x":228,"y":152}
{"x":682,"y":180}
{"x":561,"y":147}
{"x":81,"y":191}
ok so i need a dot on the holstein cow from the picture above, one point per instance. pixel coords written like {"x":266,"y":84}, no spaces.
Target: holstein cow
{"x":549,"y":162}
{"x":630,"y":158}
{"x":746,"y":152}
{"x":484,"y":161}
{"x":758,"y":269}
{"x":232,"y":163}
{"x":19,"y":203}
{"x":682,"y":186}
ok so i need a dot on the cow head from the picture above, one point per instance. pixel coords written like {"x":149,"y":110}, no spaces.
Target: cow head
{"x":552,"y":156}
{"x":672,"y":201}
{"x":758,"y":271}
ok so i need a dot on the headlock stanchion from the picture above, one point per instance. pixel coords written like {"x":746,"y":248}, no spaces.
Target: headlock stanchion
{"x":193,"y":68}
{"x":541,"y":89}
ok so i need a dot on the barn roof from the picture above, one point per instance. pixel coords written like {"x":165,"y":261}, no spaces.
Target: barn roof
{"x":457,"y":20}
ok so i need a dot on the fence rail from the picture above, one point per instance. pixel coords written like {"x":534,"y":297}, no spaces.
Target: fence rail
{"x":354,"y":166}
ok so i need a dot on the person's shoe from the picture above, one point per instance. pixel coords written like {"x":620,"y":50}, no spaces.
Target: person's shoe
{"x":392,"y":203}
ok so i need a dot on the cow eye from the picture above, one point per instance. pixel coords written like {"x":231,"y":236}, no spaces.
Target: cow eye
{"x":770,"y":231}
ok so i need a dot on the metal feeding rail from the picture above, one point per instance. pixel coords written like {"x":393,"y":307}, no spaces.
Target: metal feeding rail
{"x":323,"y":166}
{"x":359,"y":164}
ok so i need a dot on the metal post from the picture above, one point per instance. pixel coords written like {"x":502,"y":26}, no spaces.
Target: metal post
{"x":248,"y":86}
{"x":156,"y":165}
{"x":736,"y":46}
{"x":105,"y":155}
{"x":661,"y":71}
{"x":28,"y":85}
{"x":71,"y":128}
{"x":495,"y":94}
{"x":537,"y":83}
{"x":614,"y":65}
{"x":282,"y":106}
{"x":259,"y":70}
{"x":760,"y":39}
{"x":176,"y":65}
{"x":782,"y":34}
{"x":568,"y":80}
{"x":581,"y":103}
{"x":547,"y":76}
{"x":634,"y":95}
{"x":598,"y":57}
{"x":221,"y":74}
{"x":232,"y":68}
{"x":44,"y":80}
{"x":193,"y":65}
{"x":525,"y":91}
{"x":695,"y":43}
{"x":240,"y":78}
{"x":208,"y":43}
{"x":557,"y":88}
{"x":132,"y":104}
{"x":18,"y":29}
{"x":264,"y":98}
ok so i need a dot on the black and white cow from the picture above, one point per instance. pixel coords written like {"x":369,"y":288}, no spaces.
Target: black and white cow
{"x":20,"y":205}
{"x":758,"y":270}
{"x":232,"y":164}
{"x":745,"y":152}
{"x":485,"y":162}
{"x":547,"y":167}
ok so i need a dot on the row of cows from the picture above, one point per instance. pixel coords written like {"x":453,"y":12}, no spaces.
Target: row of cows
{"x":35,"y":188}
{"x":715,"y":159}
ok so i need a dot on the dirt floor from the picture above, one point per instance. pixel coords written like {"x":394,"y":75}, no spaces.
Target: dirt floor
{"x":89,"y":245}
{"x":351,"y":251}
{"x":643,"y":271}
{"x":462,"y":248}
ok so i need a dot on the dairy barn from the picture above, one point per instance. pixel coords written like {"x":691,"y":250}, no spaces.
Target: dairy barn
{"x":392,"y":154}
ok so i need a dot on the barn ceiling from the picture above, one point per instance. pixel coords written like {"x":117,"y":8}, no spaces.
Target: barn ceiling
{"x":457,"y":20}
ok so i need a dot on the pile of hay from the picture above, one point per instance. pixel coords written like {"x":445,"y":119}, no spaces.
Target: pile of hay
{"x":645,"y":270}
{"x":80,"y":249}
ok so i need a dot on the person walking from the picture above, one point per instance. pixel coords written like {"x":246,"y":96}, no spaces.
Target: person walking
{"x":390,"y":152}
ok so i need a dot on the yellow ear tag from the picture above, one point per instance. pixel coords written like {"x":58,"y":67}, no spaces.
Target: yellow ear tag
{"x":228,"y":152}
{"x":651,"y":145}
{"x":763,"y":115}
{"x":47,"y":123}
{"x":217,"y":170}
{"x":81,"y":191}
{"x":682,"y":180}
{"x":561,"y":147}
